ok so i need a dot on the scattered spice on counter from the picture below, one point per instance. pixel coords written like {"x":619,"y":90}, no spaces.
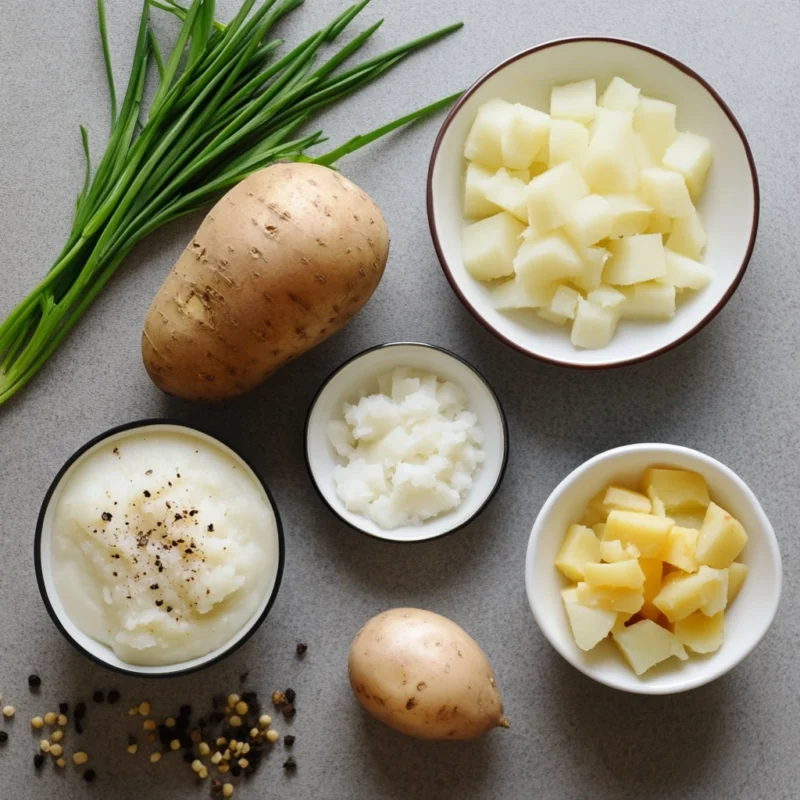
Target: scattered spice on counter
{"x":34,"y":681}
{"x":99,"y":697}
{"x":301,"y":648}
{"x":3,"y":737}
{"x":38,"y":761}
{"x":279,"y":698}
{"x":113,"y":696}
{"x":290,"y":695}
{"x":289,"y":740}
{"x":290,"y":764}
{"x":288,"y":711}
{"x":89,"y":775}
{"x":63,"y":708}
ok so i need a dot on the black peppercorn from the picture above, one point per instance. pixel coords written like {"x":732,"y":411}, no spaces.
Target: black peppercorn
{"x":290,"y":764}
{"x":106,"y":516}
{"x":80,"y":710}
{"x":216,"y":787}
{"x":290,"y":695}
{"x":185,"y":711}
{"x":301,"y":648}
{"x":98,"y":696}
{"x":113,"y":696}
{"x":288,"y":740}
{"x":34,"y":681}
{"x":89,"y":775}
{"x":38,"y":761}
{"x":288,"y":710}
{"x":236,"y":770}
{"x":3,"y":737}
{"x":63,"y":708}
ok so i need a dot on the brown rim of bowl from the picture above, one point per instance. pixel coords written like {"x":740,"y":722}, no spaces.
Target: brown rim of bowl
{"x":683,"y":68}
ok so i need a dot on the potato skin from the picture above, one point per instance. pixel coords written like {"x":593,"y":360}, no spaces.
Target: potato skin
{"x":283,"y":261}
{"x":425,"y":676}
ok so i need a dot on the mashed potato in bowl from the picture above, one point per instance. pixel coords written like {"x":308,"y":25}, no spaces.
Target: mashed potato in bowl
{"x":163,"y":545}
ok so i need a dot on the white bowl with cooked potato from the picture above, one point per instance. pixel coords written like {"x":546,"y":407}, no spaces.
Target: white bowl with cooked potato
{"x":747,"y":606}
{"x":429,"y":499}
{"x":658,"y":299}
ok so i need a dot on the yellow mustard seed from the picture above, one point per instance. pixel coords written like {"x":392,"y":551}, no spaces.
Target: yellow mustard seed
{"x":155,"y":757}
{"x":133,"y":749}
{"x":227,"y":790}
{"x":216,"y":758}
{"x":175,"y":744}
{"x":222,"y":741}
{"x":244,"y":763}
{"x":57,"y":736}
{"x":196,"y":736}
{"x":61,"y":763}
{"x":56,"y":750}
{"x":50,"y":718}
{"x":62,"y":720}
{"x":9,"y":711}
{"x":245,"y":749}
{"x":235,"y":721}
{"x":197,"y":765}
{"x":233,"y":699}
{"x":79,"y":758}
{"x":272,"y":736}
{"x":151,"y":737}
{"x":223,"y":768}
{"x":170,"y":722}
{"x":265,"y":720}
{"x":203,"y":749}
{"x":242,"y":708}
{"x":254,"y":733}
{"x":37,"y":722}
{"x":44,"y":746}
{"x":144,"y":708}
{"x":203,"y":774}
{"x":149,"y":724}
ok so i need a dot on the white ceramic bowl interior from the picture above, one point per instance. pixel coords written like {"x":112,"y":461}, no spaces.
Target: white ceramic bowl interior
{"x":357,"y":378}
{"x":101,"y":652}
{"x":729,"y":206}
{"x":749,"y":616}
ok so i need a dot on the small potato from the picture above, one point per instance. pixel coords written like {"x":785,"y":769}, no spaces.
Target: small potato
{"x":423,"y":675}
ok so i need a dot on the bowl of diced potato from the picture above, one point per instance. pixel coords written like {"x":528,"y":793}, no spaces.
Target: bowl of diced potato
{"x":593,"y":201}
{"x":652,"y":568}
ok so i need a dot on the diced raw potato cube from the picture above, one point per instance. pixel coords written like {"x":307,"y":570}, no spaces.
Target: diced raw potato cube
{"x":606,"y":297}
{"x":685,"y":273}
{"x":562,"y":306}
{"x":683,"y":594}
{"x":577,"y":101}
{"x":618,"y":498}
{"x":690,"y":155}
{"x":666,"y":191}
{"x":620,"y":95}
{"x":721,"y":538}
{"x":680,"y":547}
{"x":620,"y":574}
{"x":649,"y":300}
{"x":580,"y":547}
{"x":688,"y":236}
{"x":635,"y":259}
{"x":679,"y":489}
{"x":552,"y":196}
{"x":645,"y":644}
{"x":629,"y":600}
{"x":590,"y":220}
{"x":737,"y":572}
{"x":717,"y":599}
{"x":476,"y":206}
{"x":659,"y":223}
{"x":644,"y":158}
{"x":489,"y":246}
{"x":594,"y":260}
{"x":594,"y":326}
{"x":653,"y":571}
{"x":525,"y":135}
{"x":595,"y":510}
{"x":646,"y":532}
{"x":548,"y":259}
{"x":700,"y":633}
{"x":515,"y":294}
{"x":654,"y":120}
{"x":613,"y":551}
{"x":508,"y":193}
{"x":589,"y":625}
{"x":610,"y":164}
{"x":484,"y":142}
{"x":629,"y":215}
{"x":569,"y":141}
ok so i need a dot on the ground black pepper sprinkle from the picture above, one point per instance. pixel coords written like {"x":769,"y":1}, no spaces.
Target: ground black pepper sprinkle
{"x":146,"y":493}
{"x":63,"y":708}
{"x":290,"y":764}
{"x":38,"y":761}
{"x":89,"y":775}
{"x":34,"y":681}
{"x":290,"y":695}
{"x":288,"y":710}
{"x":106,"y":516}
{"x":288,"y":740}
{"x":98,"y":697}
{"x":113,"y":696}
{"x":301,"y":648}
{"x":3,"y":737}
{"x":211,"y":529}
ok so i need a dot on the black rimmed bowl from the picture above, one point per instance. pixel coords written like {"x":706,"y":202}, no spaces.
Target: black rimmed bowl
{"x":43,"y":555}
{"x":729,"y":207}
{"x":357,"y":378}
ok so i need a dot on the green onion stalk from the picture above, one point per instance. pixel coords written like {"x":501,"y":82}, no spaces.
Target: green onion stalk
{"x":227,"y":104}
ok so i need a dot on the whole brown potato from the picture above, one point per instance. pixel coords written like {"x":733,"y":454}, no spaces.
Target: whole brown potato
{"x":280,"y":263}
{"x":422,"y":674}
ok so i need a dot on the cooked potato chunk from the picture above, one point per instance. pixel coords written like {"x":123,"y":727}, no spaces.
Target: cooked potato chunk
{"x":721,"y":538}
{"x":590,"y":278}
{"x":678,"y":489}
{"x":610,"y":164}
{"x":618,"y":498}
{"x":576,"y":101}
{"x":630,"y":215}
{"x":524,"y":136}
{"x":645,"y":644}
{"x":550,"y":258}
{"x":489,"y":246}
{"x":690,"y":155}
{"x":507,"y":192}
{"x":649,"y":300}
{"x":589,"y":625}
{"x":620,"y":95}
{"x":569,"y":141}
{"x":700,"y":633}
{"x":647,"y":533}
{"x":655,"y":122}
{"x":737,"y":572}
{"x":687,"y":236}
{"x":590,"y":220}
{"x":484,"y":142}
{"x":553,"y":195}
{"x":653,"y":571}
{"x":515,"y":294}
{"x":580,"y":547}
{"x":613,"y":551}
{"x":666,"y":192}
{"x":609,"y":598}
{"x":593,"y":326}
{"x":683,"y":594}
{"x":686,"y":273}
{"x":635,"y":259}
{"x":620,"y":575}
{"x":562,"y":307}
{"x":680,"y":547}
{"x":476,"y":206}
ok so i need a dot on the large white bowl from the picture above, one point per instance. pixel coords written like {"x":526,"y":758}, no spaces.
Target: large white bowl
{"x":356,"y":378}
{"x":729,"y":207}
{"x":748,"y":618}
{"x":43,"y":559}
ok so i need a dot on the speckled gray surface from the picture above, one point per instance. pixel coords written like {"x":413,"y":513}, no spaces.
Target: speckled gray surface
{"x":731,"y":392}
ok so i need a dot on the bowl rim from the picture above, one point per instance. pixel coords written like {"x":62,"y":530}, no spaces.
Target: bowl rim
{"x":432,"y":224}
{"x":501,"y":414}
{"x":659,"y":449}
{"x":131,"y":669}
